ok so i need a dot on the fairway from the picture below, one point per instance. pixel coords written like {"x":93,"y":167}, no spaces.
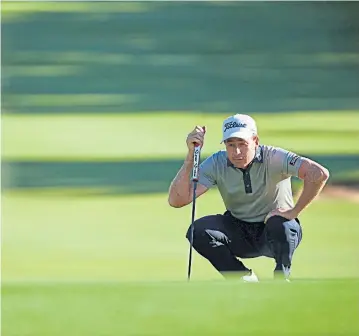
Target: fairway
{"x":108,"y":137}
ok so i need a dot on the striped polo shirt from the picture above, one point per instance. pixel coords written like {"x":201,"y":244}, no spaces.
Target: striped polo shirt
{"x":251,"y":193}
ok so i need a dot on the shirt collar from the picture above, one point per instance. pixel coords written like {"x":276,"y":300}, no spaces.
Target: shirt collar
{"x":257,"y":158}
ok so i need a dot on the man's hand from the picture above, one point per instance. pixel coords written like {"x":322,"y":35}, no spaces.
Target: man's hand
{"x":195,"y":137}
{"x":286,"y":213}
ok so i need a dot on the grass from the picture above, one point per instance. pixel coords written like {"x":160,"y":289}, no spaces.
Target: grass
{"x":9,"y":7}
{"x":348,"y":176}
{"x":158,"y":309}
{"x":117,"y":266}
{"x":77,"y":263}
{"x":109,"y":137}
{"x":82,"y":264}
{"x":139,"y":237}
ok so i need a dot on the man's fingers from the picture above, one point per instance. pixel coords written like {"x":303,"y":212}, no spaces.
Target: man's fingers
{"x":197,"y":140}
{"x":199,"y":129}
{"x":197,"y":133}
{"x":271,"y":214}
{"x":279,"y":212}
{"x":195,"y":137}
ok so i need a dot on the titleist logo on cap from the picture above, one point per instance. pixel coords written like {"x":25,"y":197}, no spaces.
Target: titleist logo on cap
{"x":233,"y":124}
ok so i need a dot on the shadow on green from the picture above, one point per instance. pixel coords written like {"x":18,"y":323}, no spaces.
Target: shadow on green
{"x":128,"y":177}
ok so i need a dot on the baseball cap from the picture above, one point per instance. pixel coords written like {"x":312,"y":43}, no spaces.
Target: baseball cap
{"x":239,"y":126}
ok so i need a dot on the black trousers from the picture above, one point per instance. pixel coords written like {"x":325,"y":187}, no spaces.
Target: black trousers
{"x":222,"y":238}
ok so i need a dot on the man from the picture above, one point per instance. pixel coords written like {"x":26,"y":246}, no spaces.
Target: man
{"x":254,"y":182}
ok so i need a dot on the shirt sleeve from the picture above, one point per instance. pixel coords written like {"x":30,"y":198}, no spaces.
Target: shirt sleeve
{"x":286,"y":162}
{"x":207,"y":172}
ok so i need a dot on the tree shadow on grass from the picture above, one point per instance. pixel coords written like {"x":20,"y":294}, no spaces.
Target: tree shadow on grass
{"x":122,"y":177}
{"x":253,"y":57}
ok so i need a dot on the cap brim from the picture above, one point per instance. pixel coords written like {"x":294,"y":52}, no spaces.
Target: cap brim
{"x":240,"y":135}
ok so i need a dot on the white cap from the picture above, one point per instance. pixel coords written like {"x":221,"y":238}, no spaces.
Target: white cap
{"x":239,"y":126}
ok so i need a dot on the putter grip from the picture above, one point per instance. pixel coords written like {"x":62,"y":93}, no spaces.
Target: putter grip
{"x":196,"y":160}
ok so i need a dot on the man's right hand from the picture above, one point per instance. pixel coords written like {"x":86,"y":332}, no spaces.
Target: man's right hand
{"x":196,"y":137}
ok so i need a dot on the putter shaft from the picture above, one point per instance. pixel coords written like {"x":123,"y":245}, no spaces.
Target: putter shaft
{"x":192,"y":230}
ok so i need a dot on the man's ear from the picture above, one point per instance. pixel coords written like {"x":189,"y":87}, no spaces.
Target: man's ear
{"x":256,"y":139}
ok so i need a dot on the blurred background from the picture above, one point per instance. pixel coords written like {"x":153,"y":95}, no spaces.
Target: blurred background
{"x":97,"y":101}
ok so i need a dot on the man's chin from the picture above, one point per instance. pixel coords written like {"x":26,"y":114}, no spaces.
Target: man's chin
{"x":240,"y":164}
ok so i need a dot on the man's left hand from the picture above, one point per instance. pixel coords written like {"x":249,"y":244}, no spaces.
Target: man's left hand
{"x":286,"y":213}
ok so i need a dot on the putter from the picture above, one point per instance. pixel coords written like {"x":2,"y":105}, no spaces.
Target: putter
{"x":196,"y":160}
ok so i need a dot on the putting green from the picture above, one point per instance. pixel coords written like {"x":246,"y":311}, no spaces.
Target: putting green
{"x":64,"y":238}
{"x":161,"y":309}
{"x":117,"y":266}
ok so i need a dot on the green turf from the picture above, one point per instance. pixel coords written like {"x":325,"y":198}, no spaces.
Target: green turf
{"x":319,"y":308}
{"x":81,"y":137}
{"x":117,"y":266}
{"x":349,"y":176}
{"x":136,"y":237}
{"x":161,"y":56}
{"x":79,"y":264}
{"x":9,"y":7}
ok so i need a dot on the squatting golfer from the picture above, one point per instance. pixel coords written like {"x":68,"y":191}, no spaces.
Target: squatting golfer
{"x":253,"y":179}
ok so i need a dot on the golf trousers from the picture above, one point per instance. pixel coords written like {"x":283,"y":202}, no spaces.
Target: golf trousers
{"x":222,"y":239}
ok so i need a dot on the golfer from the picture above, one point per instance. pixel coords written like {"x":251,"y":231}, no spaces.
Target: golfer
{"x":254,"y":181}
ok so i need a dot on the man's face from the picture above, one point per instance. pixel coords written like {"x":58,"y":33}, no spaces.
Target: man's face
{"x":241,"y":152}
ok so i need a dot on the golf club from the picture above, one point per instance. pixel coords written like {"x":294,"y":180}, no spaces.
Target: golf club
{"x":196,"y":161}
